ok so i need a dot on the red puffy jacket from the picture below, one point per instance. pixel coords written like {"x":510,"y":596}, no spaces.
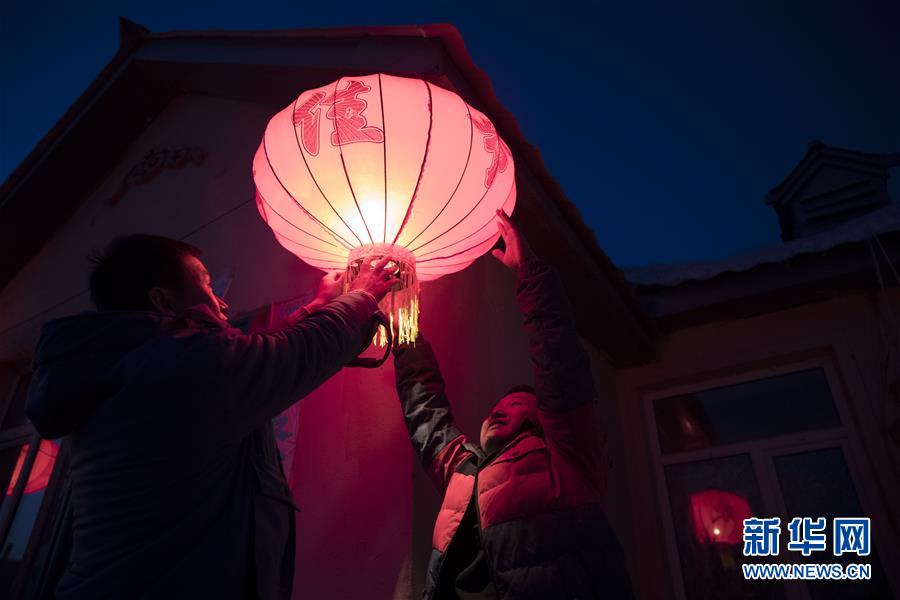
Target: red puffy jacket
{"x":542,"y":527}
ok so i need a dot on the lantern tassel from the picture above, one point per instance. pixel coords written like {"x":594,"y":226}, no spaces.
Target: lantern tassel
{"x":401,"y":304}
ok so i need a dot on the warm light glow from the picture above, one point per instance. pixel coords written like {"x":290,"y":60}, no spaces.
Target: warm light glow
{"x":717,"y":516}
{"x":385,"y":164}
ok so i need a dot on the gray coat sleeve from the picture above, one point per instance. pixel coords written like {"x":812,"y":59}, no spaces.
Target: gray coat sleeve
{"x":261,"y":375}
{"x":439,"y":445}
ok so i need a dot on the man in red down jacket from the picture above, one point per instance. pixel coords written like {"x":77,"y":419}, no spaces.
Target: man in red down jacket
{"x":521,"y":516}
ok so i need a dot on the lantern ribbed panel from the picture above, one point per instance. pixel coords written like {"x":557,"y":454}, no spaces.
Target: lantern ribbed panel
{"x":380,"y":159}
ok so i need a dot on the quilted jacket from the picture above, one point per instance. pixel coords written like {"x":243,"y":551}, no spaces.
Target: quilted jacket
{"x":540,"y":517}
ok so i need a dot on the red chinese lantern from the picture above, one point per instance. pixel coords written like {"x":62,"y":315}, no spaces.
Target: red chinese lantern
{"x":377,"y":165}
{"x":40,"y":471}
{"x":718,"y":517}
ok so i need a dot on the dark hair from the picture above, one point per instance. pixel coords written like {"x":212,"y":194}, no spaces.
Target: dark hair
{"x":522,"y":387}
{"x":131,"y":265}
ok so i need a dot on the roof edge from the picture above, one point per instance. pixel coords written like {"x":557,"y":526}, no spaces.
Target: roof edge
{"x":130,"y":32}
{"x":133,"y":34}
{"x":817,"y":150}
{"x":130,"y":37}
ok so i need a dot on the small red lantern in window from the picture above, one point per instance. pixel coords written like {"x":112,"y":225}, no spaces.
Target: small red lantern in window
{"x":718,"y":516}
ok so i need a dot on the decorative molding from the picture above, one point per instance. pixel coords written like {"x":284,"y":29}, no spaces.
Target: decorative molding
{"x":155,"y":162}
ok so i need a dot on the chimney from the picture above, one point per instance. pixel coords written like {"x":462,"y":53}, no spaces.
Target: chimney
{"x":829,"y":187}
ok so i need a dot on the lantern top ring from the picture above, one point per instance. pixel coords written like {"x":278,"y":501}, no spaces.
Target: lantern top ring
{"x":396,"y":253}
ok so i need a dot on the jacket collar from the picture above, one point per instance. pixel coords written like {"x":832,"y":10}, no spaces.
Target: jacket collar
{"x":202,"y":317}
{"x":533,"y":431}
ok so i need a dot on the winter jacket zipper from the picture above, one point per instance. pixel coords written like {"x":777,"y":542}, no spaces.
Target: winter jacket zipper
{"x":487,"y":555}
{"x":487,"y":462}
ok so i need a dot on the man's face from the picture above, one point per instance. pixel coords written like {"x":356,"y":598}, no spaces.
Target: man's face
{"x":505,"y":420}
{"x":197,"y":289}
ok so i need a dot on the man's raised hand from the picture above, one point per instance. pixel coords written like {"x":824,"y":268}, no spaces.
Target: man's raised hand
{"x":374,"y":279}
{"x":330,"y":287}
{"x":517,"y":248}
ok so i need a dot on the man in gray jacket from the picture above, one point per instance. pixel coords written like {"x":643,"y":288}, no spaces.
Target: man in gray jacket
{"x":177,"y":486}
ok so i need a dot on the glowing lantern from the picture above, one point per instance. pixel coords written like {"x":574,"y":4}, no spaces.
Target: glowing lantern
{"x":40,"y":471}
{"x":718,"y":517}
{"x":376,"y":166}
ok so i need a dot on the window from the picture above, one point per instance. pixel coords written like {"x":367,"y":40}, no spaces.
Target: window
{"x":818,"y":483}
{"x":711,"y":499}
{"x":763,"y":408}
{"x":15,"y":432}
{"x":27,"y":465}
{"x":773,"y":445}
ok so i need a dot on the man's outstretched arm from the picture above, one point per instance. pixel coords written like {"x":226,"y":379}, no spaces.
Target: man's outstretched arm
{"x":437,"y":442}
{"x":261,"y":375}
{"x":567,"y":399}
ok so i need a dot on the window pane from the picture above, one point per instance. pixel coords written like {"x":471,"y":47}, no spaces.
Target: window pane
{"x":16,"y":542}
{"x":19,"y":533}
{"x":780,"y":405}
{"x":41,"y":469}
{"x":709,"y":501}
{"x":9,"y":457}
{"x":818,"y":484}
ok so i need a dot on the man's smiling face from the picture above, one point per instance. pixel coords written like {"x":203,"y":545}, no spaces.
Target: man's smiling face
{"x":506,"y":419}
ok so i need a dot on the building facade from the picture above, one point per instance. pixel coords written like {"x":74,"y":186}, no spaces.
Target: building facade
{"x":162,"y":143}
{"x":797,"y":342}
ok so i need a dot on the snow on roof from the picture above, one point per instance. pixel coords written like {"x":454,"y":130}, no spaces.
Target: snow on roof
{"x":864,"y":228}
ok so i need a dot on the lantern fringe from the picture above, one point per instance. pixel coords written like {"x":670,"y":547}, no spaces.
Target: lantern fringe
{"x":402,"y":308}
{"x":401,"y":304}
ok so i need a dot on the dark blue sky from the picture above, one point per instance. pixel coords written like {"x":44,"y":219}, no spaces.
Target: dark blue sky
{"x":665,"y":122}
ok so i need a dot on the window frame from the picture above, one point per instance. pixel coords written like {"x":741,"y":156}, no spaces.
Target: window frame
{"x":52,"y":531}
{"x":49,"y":506}
{"x":14,"y":437}
{"x":762,"y":452}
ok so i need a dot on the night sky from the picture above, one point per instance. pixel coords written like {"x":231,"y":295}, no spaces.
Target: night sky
{"x":666,"y":123}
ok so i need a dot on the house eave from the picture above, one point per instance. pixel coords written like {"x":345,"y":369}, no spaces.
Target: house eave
{"x":151,"y":68}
